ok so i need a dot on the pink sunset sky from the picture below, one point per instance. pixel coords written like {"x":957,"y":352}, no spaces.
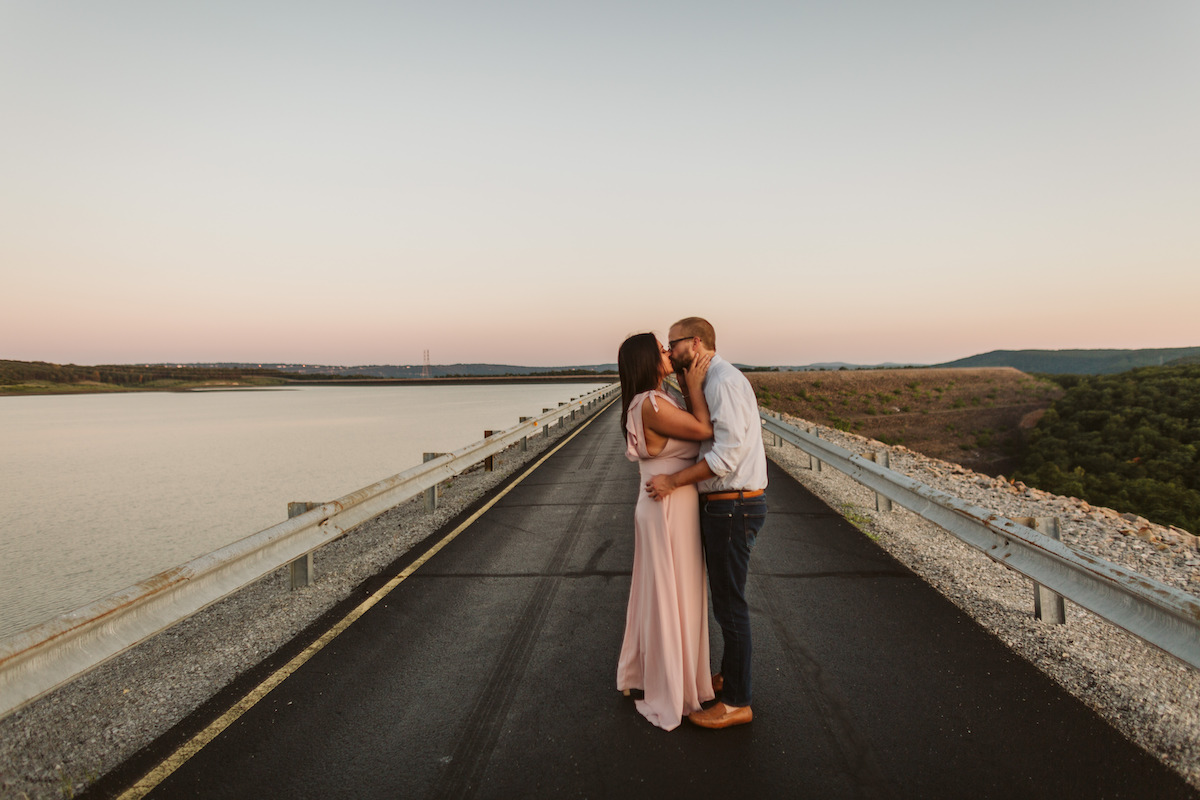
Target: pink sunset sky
{"x":527,"y":184}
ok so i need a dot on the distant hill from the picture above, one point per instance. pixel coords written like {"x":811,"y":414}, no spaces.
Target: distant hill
{"x":1079,"y":362}
{"x":1049,"y":362}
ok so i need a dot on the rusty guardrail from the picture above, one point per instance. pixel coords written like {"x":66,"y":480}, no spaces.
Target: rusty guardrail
{"x":1160,"y":614}
{"x":46,"y":656}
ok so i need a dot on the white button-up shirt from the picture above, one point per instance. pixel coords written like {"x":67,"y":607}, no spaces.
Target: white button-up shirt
{"x":735,"y":453}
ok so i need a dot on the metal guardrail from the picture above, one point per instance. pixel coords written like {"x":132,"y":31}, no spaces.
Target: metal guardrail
{"x":46,"y":656}
{"x":1161,"y":615}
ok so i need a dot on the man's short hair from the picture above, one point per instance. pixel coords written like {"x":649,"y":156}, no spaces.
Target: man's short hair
{"x":699,"y":327}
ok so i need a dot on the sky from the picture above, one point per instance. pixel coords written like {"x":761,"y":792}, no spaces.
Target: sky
{"x":530,"y":182}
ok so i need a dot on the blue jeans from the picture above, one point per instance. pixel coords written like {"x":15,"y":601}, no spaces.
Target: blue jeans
{"x":728,"y":528}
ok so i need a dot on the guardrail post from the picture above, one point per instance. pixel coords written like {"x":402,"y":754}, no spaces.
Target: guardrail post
{"x":489,"y":463}
{"x":561,"y":420}
{"x":1048,"y":606}
{"x":805,"y":452}
{"x":881,"y":458}
{"x":811,"y":457}
{"x":301,"y":568}
{"x":524,"y":439}
{"x":546,"y":430}
{"x":774,"y":438}
{"x":431,"y":492}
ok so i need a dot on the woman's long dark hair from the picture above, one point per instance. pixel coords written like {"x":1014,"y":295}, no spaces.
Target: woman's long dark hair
{"x":638,"y":362}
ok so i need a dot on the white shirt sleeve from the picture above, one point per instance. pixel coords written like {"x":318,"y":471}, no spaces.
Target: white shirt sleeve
{"x":729,"y":428}
{"x":735,"y":454}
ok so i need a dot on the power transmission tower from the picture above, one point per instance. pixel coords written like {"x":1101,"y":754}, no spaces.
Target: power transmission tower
{"x":425,"y":367}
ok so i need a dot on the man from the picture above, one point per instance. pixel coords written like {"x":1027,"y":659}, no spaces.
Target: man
{"x":732,"y":478}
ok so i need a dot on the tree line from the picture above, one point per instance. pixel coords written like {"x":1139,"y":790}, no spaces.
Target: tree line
{"x":19,"y":372}
{"x":1130,"y":442}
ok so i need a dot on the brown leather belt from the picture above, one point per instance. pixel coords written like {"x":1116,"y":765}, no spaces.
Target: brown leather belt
{"x":735,"y":495}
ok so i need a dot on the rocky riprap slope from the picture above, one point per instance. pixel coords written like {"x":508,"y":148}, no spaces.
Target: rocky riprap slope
{"x":1151,"y":697}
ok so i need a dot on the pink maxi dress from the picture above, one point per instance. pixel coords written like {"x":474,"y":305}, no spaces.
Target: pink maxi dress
{"x":665,"y":651}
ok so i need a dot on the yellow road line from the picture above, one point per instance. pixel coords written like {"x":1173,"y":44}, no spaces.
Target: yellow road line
{"x":214,"y":729}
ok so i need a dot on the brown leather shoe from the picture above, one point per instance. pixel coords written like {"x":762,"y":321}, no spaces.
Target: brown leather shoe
{"x":718,"y":683}
{"x":720,"y":715}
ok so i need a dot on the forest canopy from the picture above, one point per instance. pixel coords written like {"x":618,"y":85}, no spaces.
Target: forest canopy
{"x":1130,"y":442}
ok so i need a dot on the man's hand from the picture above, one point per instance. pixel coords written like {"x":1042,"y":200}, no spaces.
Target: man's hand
{"x":660,"y":486}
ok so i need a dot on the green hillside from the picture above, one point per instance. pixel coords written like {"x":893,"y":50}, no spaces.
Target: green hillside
{"x":1079,"y":362}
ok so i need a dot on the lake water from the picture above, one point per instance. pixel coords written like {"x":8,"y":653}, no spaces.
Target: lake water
{"x":98,"y":492}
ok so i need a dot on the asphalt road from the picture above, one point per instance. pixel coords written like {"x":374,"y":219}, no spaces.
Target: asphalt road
{"x":490,"y":672}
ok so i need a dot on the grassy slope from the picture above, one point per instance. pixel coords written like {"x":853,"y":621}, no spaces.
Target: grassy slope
{"x":972,"y":417}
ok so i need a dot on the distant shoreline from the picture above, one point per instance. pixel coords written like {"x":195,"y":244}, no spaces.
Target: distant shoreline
{"x":465,"y":379}
{"x":40,"y":389}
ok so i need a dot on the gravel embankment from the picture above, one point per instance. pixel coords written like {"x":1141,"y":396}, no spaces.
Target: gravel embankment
{"x":67,"y":739}
{"x":1151,"y":697}
{"x":61,"y":743}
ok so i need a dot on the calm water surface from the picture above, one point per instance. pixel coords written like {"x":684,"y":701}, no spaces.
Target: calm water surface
{"x":98,"y":492}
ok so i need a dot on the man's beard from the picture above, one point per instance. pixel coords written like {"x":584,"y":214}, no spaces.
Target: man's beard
{"x":682,"y":362}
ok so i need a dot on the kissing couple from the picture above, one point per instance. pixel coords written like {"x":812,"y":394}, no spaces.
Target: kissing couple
{"x":701,"y":503}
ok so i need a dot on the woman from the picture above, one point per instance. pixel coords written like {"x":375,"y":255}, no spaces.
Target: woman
{"x":665,"y":650}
